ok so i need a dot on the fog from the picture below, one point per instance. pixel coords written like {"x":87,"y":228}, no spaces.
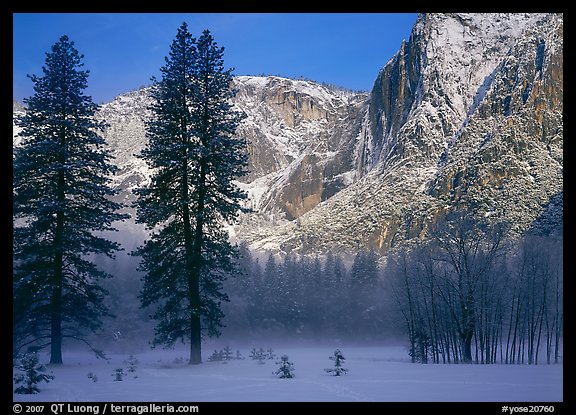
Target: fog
{"x":335,"y":301}
{"x":273,"y":301}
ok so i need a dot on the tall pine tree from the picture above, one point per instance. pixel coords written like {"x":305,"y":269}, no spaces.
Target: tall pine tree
{"x":61,"y":207}
{"x":195,"y":157}
{"x":363,"y":292}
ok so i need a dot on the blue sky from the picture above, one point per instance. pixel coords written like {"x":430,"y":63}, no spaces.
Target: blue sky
{"x":124,"y":50}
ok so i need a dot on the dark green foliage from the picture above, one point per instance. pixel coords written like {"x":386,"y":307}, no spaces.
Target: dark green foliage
{"x":364,"y":273}
{"x":194,"y":157}
{"x":364,"y":294}
{"x":30,"y":373}
{"x":62,"y":208}
{"x":286,"y":369}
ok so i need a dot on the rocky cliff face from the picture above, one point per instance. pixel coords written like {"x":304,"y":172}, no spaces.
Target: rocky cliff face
{"x":301,"y":138}
{"x":467,"y":114}
{"x":429,"y":88}
{"x":508,"y":159}
{"x":300,"y":135}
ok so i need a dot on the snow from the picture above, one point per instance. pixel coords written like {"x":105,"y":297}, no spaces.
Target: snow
{"x":311,"y":88}
{"x":465,"y":60}
{"x":346,"y":177}
{"x":376,"y":374}
{"x":256,"y":190}
{"x":16,"y":139}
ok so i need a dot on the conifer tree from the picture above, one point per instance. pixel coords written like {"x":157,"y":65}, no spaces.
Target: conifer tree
{"x":337,"y":313}
{"x":272,"y":294}
{"x":256,"y":293}
{"x":30,"y":373}
{"x":363,"y":291}
{"x":338,"y":358}
{"x":194,"y":156}
{"x":286,"y":369}
{"x":61,"y":207}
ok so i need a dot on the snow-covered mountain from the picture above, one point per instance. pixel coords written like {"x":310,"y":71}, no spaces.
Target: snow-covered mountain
{"x":469,"y":112}
{"x":301,"y":138}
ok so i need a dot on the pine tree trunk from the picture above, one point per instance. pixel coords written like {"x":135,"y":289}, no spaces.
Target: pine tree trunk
{"x":195,"y":321}
{"x":195,"y":340}
{"x":56,"y":300}
{"x":193,"y":255}
{"x":56,"y":327}
{"x":193,"y":265}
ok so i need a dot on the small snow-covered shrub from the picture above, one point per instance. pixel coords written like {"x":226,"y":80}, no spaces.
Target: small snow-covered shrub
{"x":118,"y":374}
{"x":286,"y":369}
{"x":132,"y":363}
{"x":216,"y":356}
{"x":270,"y":354}
{"x":338,"y":359}
{"x":259,"y":355}
{"x":30,"y":373}
{"x":227,"y":353}
{"x":222,"y":355}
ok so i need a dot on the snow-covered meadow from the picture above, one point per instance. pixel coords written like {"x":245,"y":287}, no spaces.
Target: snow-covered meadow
{"x":376,"y":374}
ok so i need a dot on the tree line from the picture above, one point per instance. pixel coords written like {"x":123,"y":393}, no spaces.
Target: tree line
{"x":469,"y":294}
{"x":298,"y":296}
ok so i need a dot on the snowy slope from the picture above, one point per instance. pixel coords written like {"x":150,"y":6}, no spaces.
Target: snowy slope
{"x":459,"y":79}
{"x":17,"y":110}
{"x":426,"y":93}
{"x":335,"y":170}
{"x":126,"y":116}
{"x":301,"y":136}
